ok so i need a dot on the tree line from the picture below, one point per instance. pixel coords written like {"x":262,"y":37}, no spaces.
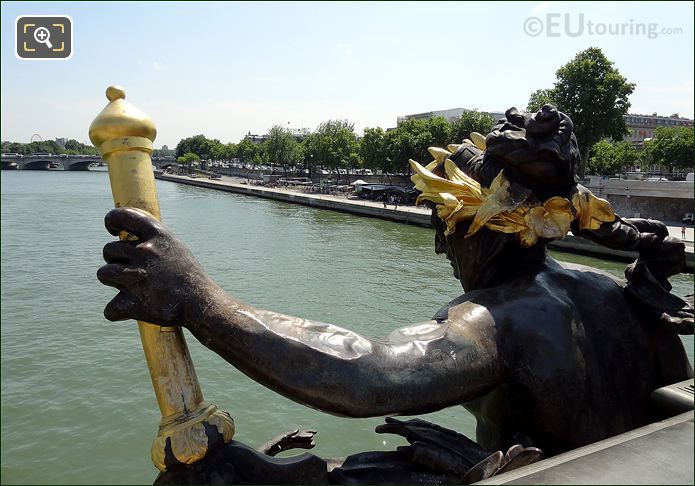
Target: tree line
{"x":589,"y":88}
{"x":670,"y":147}
{"x":71,"y":147}
{"x":335,"y":145}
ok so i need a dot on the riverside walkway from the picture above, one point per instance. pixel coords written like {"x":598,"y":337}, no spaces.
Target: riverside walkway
{"x":403,"y":214}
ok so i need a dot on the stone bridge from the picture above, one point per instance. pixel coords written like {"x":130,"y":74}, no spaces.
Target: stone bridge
{"x":43,"y":162}
{"x":66,"y":162}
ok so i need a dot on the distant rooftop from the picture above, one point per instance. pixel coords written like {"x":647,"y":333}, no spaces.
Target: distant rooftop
{"x":450,"y":114}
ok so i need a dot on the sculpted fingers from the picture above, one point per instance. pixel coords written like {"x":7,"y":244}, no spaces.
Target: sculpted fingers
{"x":121,"y":307}
{"x":119,"y":252}
{"x":120,"y":276}
{"x":133,"y":221}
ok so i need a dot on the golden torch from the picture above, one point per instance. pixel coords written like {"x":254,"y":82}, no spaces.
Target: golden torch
{"x":124,"y":135}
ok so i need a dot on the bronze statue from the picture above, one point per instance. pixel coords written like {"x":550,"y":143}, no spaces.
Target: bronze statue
{"x":547,"y":356}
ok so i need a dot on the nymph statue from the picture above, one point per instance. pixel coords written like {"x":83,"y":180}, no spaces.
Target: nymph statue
{"x":547,"y":356}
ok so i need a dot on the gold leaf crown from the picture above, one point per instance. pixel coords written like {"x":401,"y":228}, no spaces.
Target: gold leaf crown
{"x":459,"y":197}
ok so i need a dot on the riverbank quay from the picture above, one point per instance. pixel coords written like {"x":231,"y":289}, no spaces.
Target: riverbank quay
{"x":403,"y":214}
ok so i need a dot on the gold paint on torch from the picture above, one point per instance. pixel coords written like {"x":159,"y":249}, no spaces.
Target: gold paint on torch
{"x":124,"y":135}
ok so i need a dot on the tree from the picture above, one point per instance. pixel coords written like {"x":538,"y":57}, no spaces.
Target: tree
{"x":672,"y":147}
{"x":374,"y":150}
{"x":538,"y":99}
{"x":409,"y":140}
{"x":247,"y":151}
{"x":471,"y":121}
{"x":440,"y":131}
{"x":594,"y":94}
{"x":260,"y":156}
{"x":334,"y":144}
{"x":230,"y":150}
{"x":198,"y":144}
{"x":223,"y":151}
{"x":72,"y":147}
{"x":282,"y":148}
{"x":607,"y":158}
{"x":188,"y":159}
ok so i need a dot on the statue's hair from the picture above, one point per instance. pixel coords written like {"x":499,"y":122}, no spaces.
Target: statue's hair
{"x":540,"y":152}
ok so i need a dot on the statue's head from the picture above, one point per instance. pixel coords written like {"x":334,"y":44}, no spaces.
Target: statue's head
{"x":506,"y":194}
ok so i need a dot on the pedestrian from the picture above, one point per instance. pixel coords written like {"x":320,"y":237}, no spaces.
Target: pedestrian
{"x":683,"y":232}
{"x":384,"y":201}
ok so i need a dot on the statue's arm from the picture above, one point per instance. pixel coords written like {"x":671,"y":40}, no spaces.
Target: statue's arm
{"x":418,"y":369}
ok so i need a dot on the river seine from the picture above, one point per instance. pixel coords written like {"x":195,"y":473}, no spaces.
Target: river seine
{"x":77,"y":403}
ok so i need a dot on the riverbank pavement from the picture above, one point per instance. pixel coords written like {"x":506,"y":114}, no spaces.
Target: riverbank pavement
{"x":419,"y":216}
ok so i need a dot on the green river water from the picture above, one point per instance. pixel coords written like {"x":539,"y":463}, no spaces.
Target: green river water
{"x":77,"y":403}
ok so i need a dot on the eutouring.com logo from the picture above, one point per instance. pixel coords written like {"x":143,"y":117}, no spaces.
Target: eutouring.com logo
{"x":570,"y":25}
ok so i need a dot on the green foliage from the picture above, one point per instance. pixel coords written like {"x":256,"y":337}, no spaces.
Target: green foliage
{"x":409,"y":140}
{"x":374,"y":149}
{"x":247,"y":151}
{"x":471,"y":121}
{"x":282,"y":148}
{"x":671,"y":147}
{"x":607,"y":158}
{"x":72,"y":147}
{"x":594,"y":94}
{"x":333,"y":145}
{"x":261,"y":154}
{"x":223,"y":151}
{"x":188,"y":158}
{"x":198,"y":144}
{"x":538,"y":99}
{"x":440,"y":131}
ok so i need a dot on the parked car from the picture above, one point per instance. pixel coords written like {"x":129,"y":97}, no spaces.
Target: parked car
{"x":688,"y":218}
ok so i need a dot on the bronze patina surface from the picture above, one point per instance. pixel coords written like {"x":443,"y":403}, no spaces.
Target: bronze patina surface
{"x":546,"y":356}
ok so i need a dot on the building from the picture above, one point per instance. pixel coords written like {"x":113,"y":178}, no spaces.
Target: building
{"x":298,"y":133}
{"x":641,"y":127}
{"x":449,"y":115}
{"x":61,"y":141}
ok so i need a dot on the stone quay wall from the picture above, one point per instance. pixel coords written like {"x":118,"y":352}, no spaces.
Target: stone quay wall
{"x":662,"y":200}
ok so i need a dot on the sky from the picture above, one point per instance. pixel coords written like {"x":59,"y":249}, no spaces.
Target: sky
{"x":226,"y":69}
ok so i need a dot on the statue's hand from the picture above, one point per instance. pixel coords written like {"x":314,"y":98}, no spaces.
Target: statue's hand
{"x":158,"y":278}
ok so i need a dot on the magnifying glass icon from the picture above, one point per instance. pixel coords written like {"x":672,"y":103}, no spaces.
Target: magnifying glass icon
{"x":43,"y":36}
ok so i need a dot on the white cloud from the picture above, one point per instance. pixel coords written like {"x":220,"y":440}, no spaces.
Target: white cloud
{"x":159,"y":66}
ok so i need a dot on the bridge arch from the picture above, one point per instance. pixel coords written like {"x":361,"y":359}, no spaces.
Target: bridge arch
{"x":35,"y":164}
{"x":78,"y":164}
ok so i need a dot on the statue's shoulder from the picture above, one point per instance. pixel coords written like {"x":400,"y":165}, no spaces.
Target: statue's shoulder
{"x":560,"y":286}
{"x":581,"y":283}
{"x":580,"y":272}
